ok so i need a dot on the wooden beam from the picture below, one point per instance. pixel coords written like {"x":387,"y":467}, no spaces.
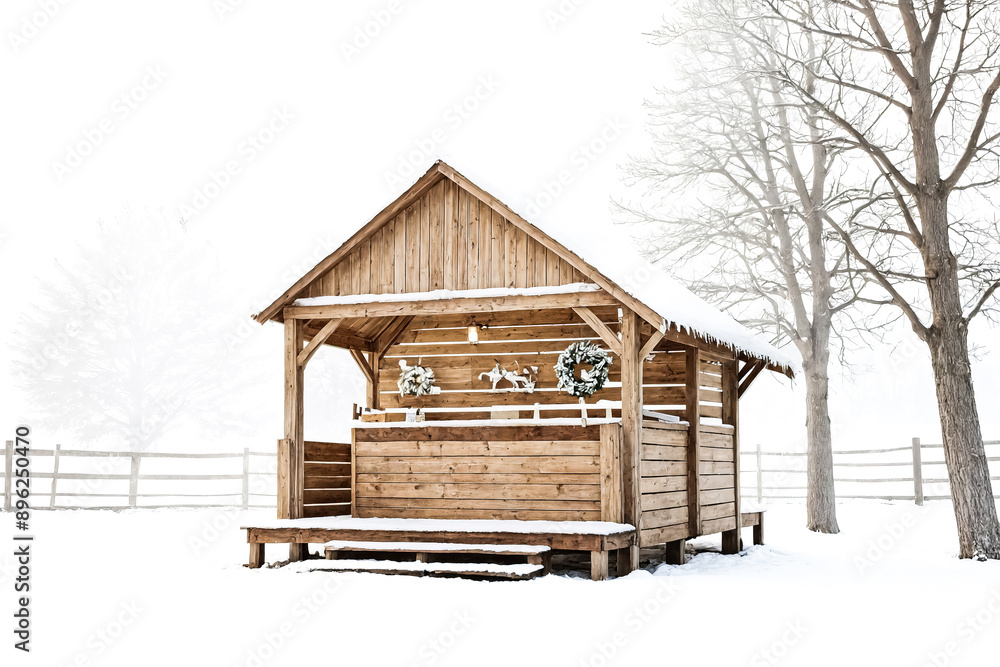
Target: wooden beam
{"x":564,"y":253}
{"x":693,"y":407}
{"x":363,"y":365}
{"x":650,"y":345}
{"x":391,"y":335}
{"x":317,"y":340}
{"x":609,"y":337}
{"x":294,"y":408}
{"x":425,"y":182}
{"x":631,"y":433}
{"x":748,"y":380}
{"x":451,"y":306}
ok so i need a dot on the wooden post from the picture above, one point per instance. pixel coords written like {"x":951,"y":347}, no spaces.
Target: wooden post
{"x":133,"y":479}
{"x":732,"y":541}
{"x":674,"y":552}
{"x":918,"y":474}
{"x":599,"y":564}
{"x":8,"y":474}
{"x":374,"y":402}
{"x":628,"y":558}
{"x":758,"y":530}
{"x":294,"y":377}
{"x":246,"y":478}
{"x":692,"y":392}
{"x":256,"y":555}
{"x":55,"y":476}
{"x":760,"y":475}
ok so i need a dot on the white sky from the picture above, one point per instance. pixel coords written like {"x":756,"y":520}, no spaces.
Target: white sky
{"x":534,"y":94}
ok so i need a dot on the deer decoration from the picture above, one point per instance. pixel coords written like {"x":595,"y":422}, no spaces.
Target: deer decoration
{"x":520,"y":381}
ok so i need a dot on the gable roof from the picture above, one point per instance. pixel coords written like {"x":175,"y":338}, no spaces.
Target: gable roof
{"x":615,"y":266}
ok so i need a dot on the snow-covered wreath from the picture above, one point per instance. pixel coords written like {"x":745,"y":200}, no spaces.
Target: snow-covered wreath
{"x":590,"y":381}
{"x":415,"y":380}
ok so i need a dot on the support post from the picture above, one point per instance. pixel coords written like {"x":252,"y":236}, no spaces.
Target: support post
{"x":373,"y":396}
{"x":628,"y":558}
{"x":55,"y":476}
{"x":674,"y":552}
{"x":8,"y":474}
{"x":732,"y":540}
{"x":294,"y":381}
{"x":246,"y":478}
{"x":599,"y":564}
{"x":692,"y":391}
{"x":256,"y":555}
{"x":918,"y":474}
{"x":758,"y":530}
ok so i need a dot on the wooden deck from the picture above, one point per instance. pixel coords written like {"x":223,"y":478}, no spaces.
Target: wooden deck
{"x":597,"y":537}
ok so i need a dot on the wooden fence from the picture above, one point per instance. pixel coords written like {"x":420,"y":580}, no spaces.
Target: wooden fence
{"x":781,"y":475}
{"x":254,"y":483}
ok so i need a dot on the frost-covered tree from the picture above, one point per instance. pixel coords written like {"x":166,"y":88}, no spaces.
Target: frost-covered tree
{"x":739,"y":177}
{"x":135,"y":336}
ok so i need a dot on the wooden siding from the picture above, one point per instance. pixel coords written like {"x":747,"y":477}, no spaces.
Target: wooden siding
{"x":446,"y":239}
{"x":664,"y":482}
{"x":515,"y":472}
{"x":327,"y":488}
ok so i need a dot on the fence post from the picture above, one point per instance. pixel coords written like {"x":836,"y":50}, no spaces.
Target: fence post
{"x":918,"y":474}
{"x":55,"y":476}
{"x":8,"y":467}
{"x":133,"y":482}
{"x":760,"y":477}
{"x":246,"y":478}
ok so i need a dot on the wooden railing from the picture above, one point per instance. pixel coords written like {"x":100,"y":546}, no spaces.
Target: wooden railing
{"x":256,"y":482}
{"x":781,"y":475}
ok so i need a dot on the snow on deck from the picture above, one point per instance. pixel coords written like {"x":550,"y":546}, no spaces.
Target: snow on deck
{"x":450,"y":423}
{"x":449,"y":525}
{"x":354,"y":545}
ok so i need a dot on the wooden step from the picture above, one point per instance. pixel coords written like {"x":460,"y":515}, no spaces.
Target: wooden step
{"x":439,"y":548}
{"x":515,"y":571}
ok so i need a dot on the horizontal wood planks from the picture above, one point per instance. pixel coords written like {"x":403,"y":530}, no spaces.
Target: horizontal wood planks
{"x":327,"y":489}
{"x":447,"y":238}
{"x":664,"y":482}
{"x":516,"y":340}
{"x":483,"y":472}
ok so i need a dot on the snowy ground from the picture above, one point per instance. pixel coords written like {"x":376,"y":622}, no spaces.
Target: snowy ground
{"x":167,"y":588}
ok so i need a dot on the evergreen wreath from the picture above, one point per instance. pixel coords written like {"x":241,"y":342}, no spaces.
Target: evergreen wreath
{"x":589,"y":382}
{"x":415,"y":380}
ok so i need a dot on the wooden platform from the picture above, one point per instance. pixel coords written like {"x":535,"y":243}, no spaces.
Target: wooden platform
{"x":597,"y":537}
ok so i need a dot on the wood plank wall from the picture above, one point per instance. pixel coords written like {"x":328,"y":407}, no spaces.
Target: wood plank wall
{"x":327,"y":479}
{"x":479,"y":472}
{"x":664,"y":482}
{"x":446,"y":239}
{"x":524,"y":338}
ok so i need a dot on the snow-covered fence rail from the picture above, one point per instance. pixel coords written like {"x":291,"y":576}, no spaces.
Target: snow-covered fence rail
{"x":893,"y":473}
{"x":173,"y":486}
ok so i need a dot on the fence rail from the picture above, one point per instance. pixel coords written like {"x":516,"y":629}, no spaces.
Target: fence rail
{"x":919,"y":486}
{"x":244,"y":497}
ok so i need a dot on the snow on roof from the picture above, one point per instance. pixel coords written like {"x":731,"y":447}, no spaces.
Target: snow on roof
{"x":434,"y":295}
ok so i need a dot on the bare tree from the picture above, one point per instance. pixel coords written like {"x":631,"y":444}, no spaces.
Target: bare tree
{"x":134,"y":337}
{"x":912,"y":86}
{"x":753,"y":237}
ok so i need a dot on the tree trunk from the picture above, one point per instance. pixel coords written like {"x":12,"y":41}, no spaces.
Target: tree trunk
{"x":821,"y":502}
{"x":947,"y":339}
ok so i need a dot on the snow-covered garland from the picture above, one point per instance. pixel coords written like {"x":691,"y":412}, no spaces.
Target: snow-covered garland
{"x":582,"y":352}
{"x":415,"y":380}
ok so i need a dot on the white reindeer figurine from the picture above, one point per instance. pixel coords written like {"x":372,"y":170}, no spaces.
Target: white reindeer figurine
{"x":518,"y":382}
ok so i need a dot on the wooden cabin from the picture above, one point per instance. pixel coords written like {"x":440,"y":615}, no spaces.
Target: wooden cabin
{"x":450,"y":277}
